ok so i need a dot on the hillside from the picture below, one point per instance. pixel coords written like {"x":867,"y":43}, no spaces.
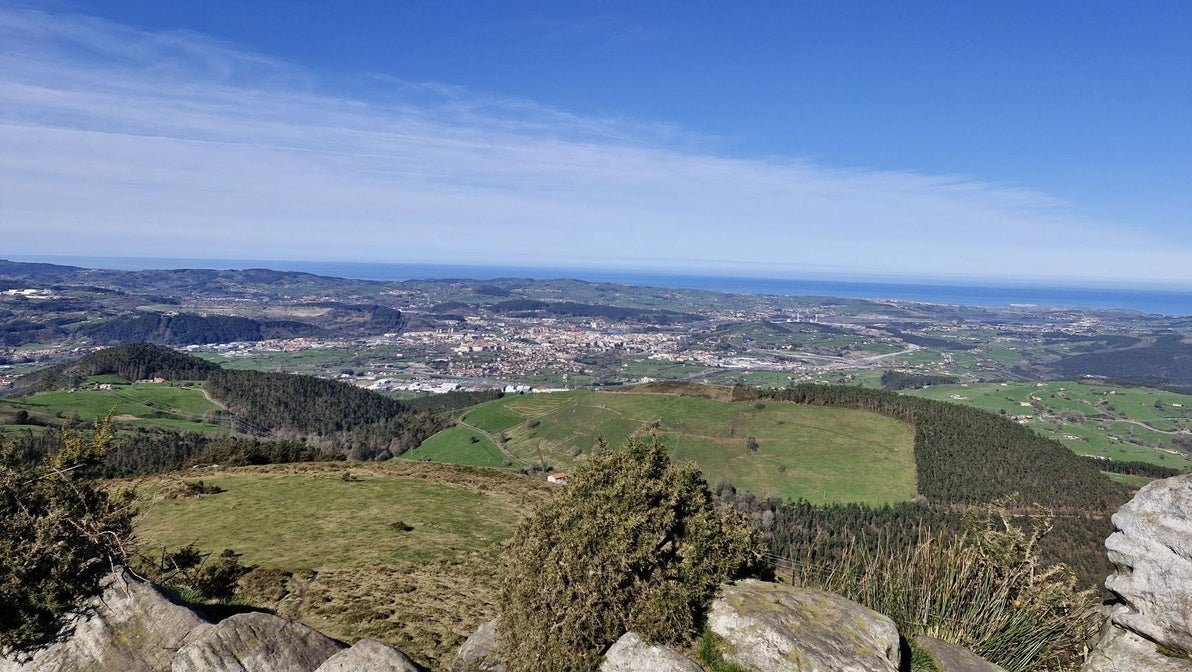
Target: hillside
{"x":181,"y":407}
{"x":1089,"y":416}
{"x":771,"y":449}
{"x":334,"y":418}
{"x":1165,"y":361}
{"x":342,"y":565}
{"x":137,"y":361}
{"x":961,"y":458}
{"x":179,"y":329}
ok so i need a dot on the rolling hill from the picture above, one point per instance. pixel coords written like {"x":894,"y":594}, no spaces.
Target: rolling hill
{"x":772,"y":449}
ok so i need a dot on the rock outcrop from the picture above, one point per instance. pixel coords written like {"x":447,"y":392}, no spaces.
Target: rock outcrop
{"x":131,"y":627}
{"x":952,"y":658}
{"x":1152,"y":550}
{"x":631,"y":654}
{"x":369,"y":655}
{"x":1151,"y":629}
{"x":479,"y":652}
{"x":1123,"y":651}
{"x":134,"y":627}
{"x":256,"y":642}
{"x":772,"y":628}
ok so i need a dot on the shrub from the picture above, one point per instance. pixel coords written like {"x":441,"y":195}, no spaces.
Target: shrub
{"x":188,"y":489}
{"x":985,"y":589}
{"x":193,"y":574}
{"x":61,"y":533}
{"x":632,"y":543}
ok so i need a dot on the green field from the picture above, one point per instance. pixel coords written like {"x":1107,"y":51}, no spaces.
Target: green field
{"x":461,"y":445}
{"x":423,"y":589}
{"x":1138,"y":424}
{"x":819,"y":454}
{"x":179,"y":406}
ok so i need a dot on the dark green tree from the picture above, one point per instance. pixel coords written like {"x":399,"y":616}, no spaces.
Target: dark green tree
{"x":61,"y":533}
{"x":632,"y":543}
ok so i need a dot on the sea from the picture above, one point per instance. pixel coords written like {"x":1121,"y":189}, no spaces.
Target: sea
{"x":1171,"y":302}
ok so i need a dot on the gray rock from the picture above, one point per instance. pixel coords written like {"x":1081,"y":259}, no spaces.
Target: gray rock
{"x":631,"y":654}
{"x":1152,"y":550}
{"x":952,"y":658}
{"x":770,"y":628}
{"x":369,"y":655}
{"x":1123,"y":651}
{"x":480,"y":652}
{"x":256,"y":642}
{"x":132,"y":627}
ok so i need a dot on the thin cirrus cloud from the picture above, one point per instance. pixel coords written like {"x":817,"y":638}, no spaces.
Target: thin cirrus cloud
{"x":122,"y":142}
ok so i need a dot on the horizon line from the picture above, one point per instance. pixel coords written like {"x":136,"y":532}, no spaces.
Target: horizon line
{"x":543,"y":271}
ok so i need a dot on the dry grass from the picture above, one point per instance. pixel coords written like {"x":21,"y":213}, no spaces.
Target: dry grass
{"x":352,"y":574}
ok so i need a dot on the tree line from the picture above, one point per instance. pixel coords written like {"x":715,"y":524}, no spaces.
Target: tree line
{"x":969,"y":456}
{"x":330,"y":414}
{"x":143,"y":451}
{"x":135,"y":361}
{"x":964,"y":458}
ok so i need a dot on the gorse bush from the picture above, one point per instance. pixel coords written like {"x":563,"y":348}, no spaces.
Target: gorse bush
{"x":633,"y":543}
{"x":196,"y":575}
{"x":984,"y":589}
{"x":61,"y":533}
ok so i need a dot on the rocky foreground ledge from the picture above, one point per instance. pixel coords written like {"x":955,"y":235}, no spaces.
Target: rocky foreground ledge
{"x":134,"y":627}
{"x":1150,"y":628}
{"x":765,"y":627}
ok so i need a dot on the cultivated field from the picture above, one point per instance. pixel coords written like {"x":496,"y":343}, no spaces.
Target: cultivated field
{"x":1122,"y":423}
{"x":770,"y":449}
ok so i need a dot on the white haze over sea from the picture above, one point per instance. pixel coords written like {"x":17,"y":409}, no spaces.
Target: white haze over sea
{"x":1143,"y":300}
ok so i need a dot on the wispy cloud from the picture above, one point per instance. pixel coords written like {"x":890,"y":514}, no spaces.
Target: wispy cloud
{"x":117,"y":141}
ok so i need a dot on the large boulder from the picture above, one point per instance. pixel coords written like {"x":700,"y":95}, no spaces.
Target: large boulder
{"x":952,"y":658}
{"x":770,"y":628}
{"x":131,"y":627}
{"x":1152,"y":550}
{"x":480,"y":652}
{"x":631,"y":654}
{"x":256,"y":642}
{"x":1123,"y":651}
{"x":369,"y":655}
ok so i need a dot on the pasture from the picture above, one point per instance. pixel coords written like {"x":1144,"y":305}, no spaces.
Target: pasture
{"x":769,"y":449}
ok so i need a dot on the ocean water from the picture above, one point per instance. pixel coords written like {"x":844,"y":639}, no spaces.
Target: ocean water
{"x":1153,"y":301}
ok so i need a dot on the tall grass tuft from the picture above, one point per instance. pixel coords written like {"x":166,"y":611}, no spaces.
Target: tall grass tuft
{"x":984,"y":589}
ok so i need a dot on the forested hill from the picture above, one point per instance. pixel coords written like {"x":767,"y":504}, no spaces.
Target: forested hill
{"x":964,"y":458}
{"x":1167,"y":361}
{"x":178,"y":329}
{"x":362,"y":424}
{"x":303,"y":403}
{"x":136,"y":361}
{"x":969,"y":456}
{"x":336,"y":417}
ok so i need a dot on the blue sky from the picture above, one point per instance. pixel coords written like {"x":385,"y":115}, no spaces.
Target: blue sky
{"x":868,"y":140}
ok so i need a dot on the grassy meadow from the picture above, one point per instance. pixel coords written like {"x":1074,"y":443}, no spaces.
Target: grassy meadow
{"x":354,"y":574}
{"x":1122,"y":423}
{"x":770,"y":449}
{"x":177,"y":406}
